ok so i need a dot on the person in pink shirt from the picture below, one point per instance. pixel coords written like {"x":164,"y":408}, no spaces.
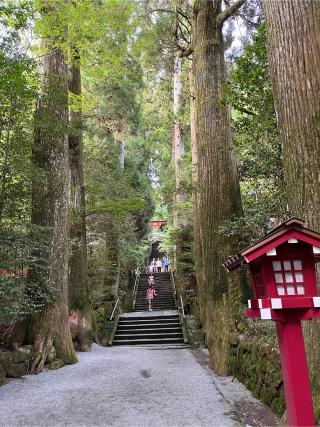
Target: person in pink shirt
{"x":151,"y":293}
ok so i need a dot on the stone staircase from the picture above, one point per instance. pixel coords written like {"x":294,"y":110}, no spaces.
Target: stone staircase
{"x":161,"y":326}
{"x":149,"y":329}
{"x":164,"y":299}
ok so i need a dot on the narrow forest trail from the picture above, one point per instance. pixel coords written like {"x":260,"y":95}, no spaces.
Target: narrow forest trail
{"x":131,"y":386}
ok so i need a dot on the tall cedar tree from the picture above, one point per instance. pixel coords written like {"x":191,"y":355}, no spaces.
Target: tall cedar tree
{"x":177,"y":143}
{"x":218,"y":191}
{"x":78,"y":271}
{"x":50,"y":204}
{"x":294,"y":60}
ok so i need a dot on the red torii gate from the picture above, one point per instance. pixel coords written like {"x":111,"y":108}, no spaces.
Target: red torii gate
{"x":157,"y":224}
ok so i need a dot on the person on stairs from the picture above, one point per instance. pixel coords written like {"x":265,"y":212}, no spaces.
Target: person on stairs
{"x":151,"y":280}
{"x":151,"y":293}
{"x":165,"y":263}
{"x":159,"y":265}
{"x":154,"y":265}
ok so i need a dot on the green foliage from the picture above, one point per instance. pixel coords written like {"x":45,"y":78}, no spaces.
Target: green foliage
{"x":18,"y":86}
{"x":256,"y":142}
{"x":24,"y":259}
{"x":118,"y":200}
{"x":14,"y":17}
{"x":116,"y":197}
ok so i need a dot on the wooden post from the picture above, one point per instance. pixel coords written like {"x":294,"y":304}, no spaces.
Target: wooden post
{"x":295,"y":373}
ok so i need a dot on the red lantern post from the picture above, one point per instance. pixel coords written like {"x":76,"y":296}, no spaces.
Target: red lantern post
{"x":282,"y":266}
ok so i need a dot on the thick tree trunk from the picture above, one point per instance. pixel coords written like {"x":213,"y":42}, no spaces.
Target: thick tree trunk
{"x":195,"y":196}
{"x":218,"y":193}
{"x":294,"y":58}
{"x":50,"y":206}
{"x":113,"y":256}
{"x":78,"y":272}
{"x":194,"y":149}
{"x":177,"y":145}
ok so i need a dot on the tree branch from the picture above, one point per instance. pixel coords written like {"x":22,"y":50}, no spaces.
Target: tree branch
{"x":161,"y":10}
{"x":244,"y":110}
{"x":230,"y":11}
{"x":184,"y":25}
{"x":249,"y":22}
{"x":184,"y":53}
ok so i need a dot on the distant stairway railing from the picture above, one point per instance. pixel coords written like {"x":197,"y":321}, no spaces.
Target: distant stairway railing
{"x":113,"y":322}
{"x":135,"y":289}
{"x":114,"y":318}
{"x":179,"y":304}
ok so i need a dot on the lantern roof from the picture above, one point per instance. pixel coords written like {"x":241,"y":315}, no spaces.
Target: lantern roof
{"x":292,"y":230}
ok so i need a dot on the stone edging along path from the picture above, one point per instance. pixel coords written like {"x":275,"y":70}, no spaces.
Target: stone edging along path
{"x":15,"y":364}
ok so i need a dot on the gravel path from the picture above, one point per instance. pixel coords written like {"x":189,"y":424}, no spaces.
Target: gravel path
{"x":125,"y":386}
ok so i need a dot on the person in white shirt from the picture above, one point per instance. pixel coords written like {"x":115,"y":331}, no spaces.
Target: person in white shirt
{"x":159,"y":265}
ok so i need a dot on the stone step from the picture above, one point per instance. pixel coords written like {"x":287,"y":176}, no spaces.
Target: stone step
{"x":154,"y":317}
{"x":159,"y":327}
{"x":154,"y":310}
{"x":149,"y":322}
{"x":156,"y":300}
{"x":153,"y":335}
{"x":159,"y":295}
{"x":149,"y":341}
{"x":154,"y":303}
{"x":164,"y":293}
{"x":134,"y":329}
{"x":144,"y":302}
{"x":154,"y":307}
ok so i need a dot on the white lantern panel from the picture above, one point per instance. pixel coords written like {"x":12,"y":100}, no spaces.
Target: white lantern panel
{"x":276,"y":265}
{"x":289,"y":277}
{"x":300,"y":289}
{"x":278,"y":277}
{"x":297,"y":264}
{"x":299,"y":276}
{"x":290,"y":290}
{"x":287,"y":265}
{"x":280,"y":290}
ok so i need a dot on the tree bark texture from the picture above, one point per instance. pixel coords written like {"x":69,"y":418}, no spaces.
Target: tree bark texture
{"x":294,"y":59}
{"x":50,"y":206}
{"x":194,"y":155}
{"x":78,"y":271}
{"x":113,"y":255}
{"x":218,"y":193}
{"x":178,"y":146}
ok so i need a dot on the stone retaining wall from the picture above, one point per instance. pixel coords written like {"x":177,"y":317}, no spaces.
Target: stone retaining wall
{"x":15,"y":364}
{"x":253,"y":358}
{"x":257,"y":366}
